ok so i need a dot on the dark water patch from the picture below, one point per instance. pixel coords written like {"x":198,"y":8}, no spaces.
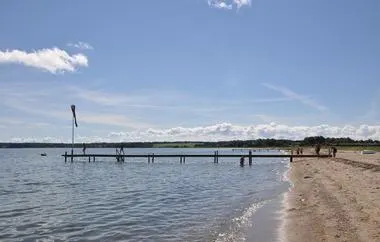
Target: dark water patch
{"x":29,"y":191}
{"x":37,"y":184}
{"x":15,"y":212}
{"x":70,"y":228}
{"x":6,"y":192}
{"x":4,"y":236}
{"x":28,"y":226}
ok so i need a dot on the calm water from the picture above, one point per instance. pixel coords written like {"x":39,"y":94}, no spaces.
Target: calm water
{"x":44,"y":198}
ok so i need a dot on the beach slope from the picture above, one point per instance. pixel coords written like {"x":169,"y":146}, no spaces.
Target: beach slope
{"x":335,"y":199}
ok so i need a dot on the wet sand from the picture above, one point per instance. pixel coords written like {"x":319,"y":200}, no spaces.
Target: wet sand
{"x":266,"y":222}
{"x":333,"y":199}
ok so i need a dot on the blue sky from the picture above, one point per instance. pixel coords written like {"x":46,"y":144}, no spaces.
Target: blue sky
{"x":189,"y":69}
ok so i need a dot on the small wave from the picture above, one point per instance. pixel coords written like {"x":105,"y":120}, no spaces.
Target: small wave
{"x":237,"y":227}
{"x":17,"y":212}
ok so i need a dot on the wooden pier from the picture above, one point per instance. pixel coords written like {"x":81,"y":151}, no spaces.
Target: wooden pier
{"x":182,"y":157}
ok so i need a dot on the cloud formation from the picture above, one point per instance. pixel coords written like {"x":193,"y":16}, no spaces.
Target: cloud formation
{"x":228,"y":4}
{"x":52,"y":60}
{"x":81,"y":45}
{"x":227,"y":131}
{"x":295,"y":96}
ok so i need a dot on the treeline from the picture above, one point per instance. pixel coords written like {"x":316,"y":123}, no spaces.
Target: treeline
{"x":308,"y":141}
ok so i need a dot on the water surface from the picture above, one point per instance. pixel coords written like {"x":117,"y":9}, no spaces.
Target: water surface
{"x":46,"y":198}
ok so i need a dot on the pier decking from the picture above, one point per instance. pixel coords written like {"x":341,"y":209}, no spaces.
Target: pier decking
{"x":182,"y":157}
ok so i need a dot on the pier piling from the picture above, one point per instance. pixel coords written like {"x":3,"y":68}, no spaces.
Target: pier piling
{"x":216,"y":157}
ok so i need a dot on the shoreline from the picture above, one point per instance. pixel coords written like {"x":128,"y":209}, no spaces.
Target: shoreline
{"x":268,"y":219}
{"x":266,"y":222}
{"x":332,"y":199}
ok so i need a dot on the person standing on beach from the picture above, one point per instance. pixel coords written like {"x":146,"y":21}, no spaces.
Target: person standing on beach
{"x":317,"y":149}
{"x":334,"y":150}
{"x":84,"y":148}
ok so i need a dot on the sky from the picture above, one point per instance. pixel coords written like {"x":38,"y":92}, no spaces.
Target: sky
{"x":179,"y":70}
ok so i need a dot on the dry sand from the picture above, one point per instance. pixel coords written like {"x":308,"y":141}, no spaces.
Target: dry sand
{"x":334,"y":199}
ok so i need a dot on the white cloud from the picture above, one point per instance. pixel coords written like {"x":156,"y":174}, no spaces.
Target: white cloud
{"x":228,"y":131}
{"x":46,"y":139}
{"x":81,"y":45}
{"x":295,"y":96}
{"x":228,"y":4}
{"x":53,"y":60}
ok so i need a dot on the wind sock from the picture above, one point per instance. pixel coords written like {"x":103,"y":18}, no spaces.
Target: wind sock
{"x":74,"y":115}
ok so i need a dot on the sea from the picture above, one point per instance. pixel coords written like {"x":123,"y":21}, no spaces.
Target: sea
{"x":42,"y":198}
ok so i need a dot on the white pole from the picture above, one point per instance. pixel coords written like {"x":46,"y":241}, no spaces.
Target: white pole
{"x":72,"y":140}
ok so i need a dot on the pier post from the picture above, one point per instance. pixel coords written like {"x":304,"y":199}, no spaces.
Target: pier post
{"x":180,"y":159}
{"x":217,"y":156}
{"x":148,"y":159}
{"x":153,"y":158}
{"x":72,"y":155}
{"x":65,"y":156}
{"x":93,"y":159}
{"x":89,"y":159}
{"x":184,"y":157}
{"x":250,"y":158}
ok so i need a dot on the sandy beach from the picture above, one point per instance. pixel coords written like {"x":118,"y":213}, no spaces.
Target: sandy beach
{"x":334,"y":199}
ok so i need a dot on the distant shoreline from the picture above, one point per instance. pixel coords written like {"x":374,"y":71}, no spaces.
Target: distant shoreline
{"x":341,"y":143}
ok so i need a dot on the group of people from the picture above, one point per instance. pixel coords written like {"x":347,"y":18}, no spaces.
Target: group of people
{"x":120,"y":154}
{"x":299,"y":151}
{"x":332,"y":150}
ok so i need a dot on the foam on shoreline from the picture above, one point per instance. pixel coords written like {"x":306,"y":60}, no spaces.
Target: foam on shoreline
{"x":270,"y":219}
{"x":285,"y":205}
{"x":263,"y":221}
{"x":281,"y":232}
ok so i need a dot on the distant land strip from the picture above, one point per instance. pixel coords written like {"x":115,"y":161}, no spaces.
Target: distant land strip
{"x":346,"y":143}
